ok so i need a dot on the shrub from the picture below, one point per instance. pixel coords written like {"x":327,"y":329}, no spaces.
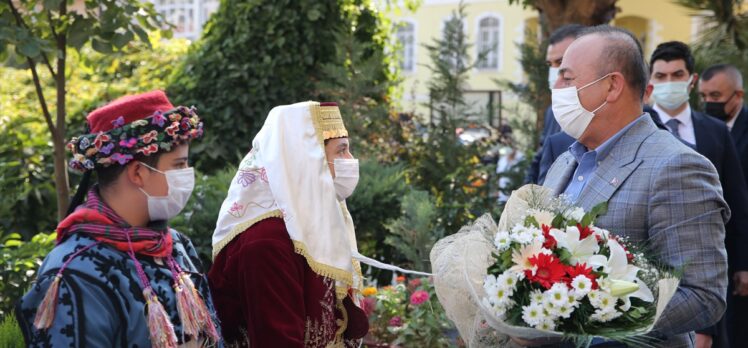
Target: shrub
{"x":10,"y":333}
{"x":20,"y":260}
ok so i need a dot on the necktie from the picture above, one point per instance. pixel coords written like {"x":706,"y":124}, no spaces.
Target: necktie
{"x":673,"y":124}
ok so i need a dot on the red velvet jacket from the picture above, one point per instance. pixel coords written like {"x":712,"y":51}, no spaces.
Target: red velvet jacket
{"x":266,"y":295}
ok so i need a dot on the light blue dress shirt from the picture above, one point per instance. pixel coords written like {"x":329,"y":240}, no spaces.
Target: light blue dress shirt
{"x":587,"y":161}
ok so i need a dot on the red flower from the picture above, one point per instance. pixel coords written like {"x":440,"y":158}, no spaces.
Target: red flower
{"x":171,"y":130}
{"x":101,"y":139}
{"x":580,"y":269}
{"x":148,"y":149}
{"x":584,"y":232}
{"x":149,"y":137}
{"x":550,"y":242}
{"x":400,"y":279}
{"x":419,"y":297}
{"x":549,"y":270}
{"x":396,"y":321}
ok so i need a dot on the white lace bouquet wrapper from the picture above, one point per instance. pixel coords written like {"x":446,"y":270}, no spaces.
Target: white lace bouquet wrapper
{"x":460,"y":264}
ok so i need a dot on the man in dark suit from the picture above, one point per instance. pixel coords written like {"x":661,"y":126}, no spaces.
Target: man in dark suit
{"x":672,"y":78}
{"x":721,"y":90}
{"x":558,"y":42}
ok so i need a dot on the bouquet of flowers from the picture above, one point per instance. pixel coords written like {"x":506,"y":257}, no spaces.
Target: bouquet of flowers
{"x":555,"y":274}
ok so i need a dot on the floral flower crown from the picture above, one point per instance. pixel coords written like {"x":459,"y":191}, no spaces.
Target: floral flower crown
{"x":146,"y":136}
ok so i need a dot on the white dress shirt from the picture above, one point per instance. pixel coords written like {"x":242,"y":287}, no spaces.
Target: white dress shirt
{"x":731,"y":123}
{"x":685,"y":127}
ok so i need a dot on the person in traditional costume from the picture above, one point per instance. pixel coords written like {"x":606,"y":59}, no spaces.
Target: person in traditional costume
{"x":284,"y":271}
{"x":119,"y":276}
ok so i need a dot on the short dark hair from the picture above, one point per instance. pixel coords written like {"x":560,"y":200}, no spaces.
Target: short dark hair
{"x":673,"y":50}
{"x":106,"y":176}
{"x":622,"y":52}
{"x":728,"y":69}
{"x":564,"y":32}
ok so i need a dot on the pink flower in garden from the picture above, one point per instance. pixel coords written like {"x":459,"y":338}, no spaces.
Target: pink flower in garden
{"x":396,"y":321}
{"x":419,"y":297}
{"x":368,"y":305}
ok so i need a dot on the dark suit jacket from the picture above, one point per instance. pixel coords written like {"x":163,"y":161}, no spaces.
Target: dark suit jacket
{"x":550,"y":127}
{"x":739,"y":134}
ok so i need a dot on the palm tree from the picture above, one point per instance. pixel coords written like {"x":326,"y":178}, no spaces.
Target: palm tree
{"x":555,"y":13}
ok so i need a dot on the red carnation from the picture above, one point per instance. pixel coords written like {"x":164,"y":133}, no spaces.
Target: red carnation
{"x":584,"y":232}
{"x":549,"y":270}
{"x":550,"y":242}
{"x":580,"y":269}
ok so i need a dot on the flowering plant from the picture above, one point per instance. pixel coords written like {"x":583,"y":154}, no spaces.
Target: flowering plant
{"x":555,"y":272}
{"x":405,"y":314}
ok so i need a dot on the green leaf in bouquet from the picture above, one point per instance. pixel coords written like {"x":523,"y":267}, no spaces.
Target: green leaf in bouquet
{"x":563,"y":255}
{"x":598,"y":210}
{"x":558,"y":221}
{"x":531,"y":221}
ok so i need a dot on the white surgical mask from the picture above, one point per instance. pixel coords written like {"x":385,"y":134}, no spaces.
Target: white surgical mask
{"x":346,"y":177}
{"x":568,"y":110}
{"x":180,"y":183}
{"x":671,"y":95}
{"x":552,"y":76}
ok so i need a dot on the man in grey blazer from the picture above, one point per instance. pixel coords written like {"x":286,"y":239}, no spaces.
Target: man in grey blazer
{"x":658,"y":190}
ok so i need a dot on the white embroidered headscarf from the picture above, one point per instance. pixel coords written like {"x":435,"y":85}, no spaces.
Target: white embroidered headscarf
{"x":286,"y":175}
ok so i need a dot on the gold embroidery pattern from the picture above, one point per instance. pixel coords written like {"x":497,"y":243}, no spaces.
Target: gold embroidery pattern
{"x":327,"y":331}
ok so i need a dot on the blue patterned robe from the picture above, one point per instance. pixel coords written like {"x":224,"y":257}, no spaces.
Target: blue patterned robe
{"x":100,"y":300}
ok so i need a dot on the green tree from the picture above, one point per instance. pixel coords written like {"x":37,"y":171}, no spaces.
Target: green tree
{"x":37,"y":35}
{"x":724,"y":38}
{"x":256,"y":55}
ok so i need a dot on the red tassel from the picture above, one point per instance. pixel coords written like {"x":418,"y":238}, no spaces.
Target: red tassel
{"x":45,"y":314}
{"x":186,"y":308}
{"x":201,"y":310}
{"x":159,"y":325}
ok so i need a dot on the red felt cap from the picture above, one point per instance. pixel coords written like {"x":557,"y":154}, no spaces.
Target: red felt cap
{"x":328,"y":104}
{"x":131,"y":108}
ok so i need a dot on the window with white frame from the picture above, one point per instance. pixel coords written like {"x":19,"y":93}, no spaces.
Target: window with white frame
{"x":187,"y":16}
{"x":406,"y":38}
{"x":488,"y":43}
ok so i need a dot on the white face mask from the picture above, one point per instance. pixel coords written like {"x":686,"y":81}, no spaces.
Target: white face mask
{"x":671,"y":95}
{"x":180,"y":183}
{"x":346,"y":177}
{"x":552,"y":76}
{"x":568,"y":110}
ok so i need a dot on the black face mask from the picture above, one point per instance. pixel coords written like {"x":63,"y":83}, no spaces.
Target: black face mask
{"x":717,"y":110}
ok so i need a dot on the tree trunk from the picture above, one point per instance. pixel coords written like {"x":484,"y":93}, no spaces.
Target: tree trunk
{"x":586,"y":12}
{"x":61,"y":169}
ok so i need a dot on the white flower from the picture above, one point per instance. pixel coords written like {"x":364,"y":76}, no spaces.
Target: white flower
{"x":572,"y":299}
{"x":533,"y":314}
{"x":508,"y":280}
{"x":581,"y":284}
{"x":543,"y":217}
{"x":576,"y":214}
{"x":501,"y":296}
{"x":602,"y":233}
{"x":564,"y":311}
{"x":618,"y":269}
{"x":521,"y":257}
{"x":580,"y":250}
{"x":557,"y":294}
{"x":522,"y":235}
{"x":604,"y":316}
{"x":502,"y":241}
{"x":536,"y":296}
{"x":547,"y":325}
{"x":602,"y":300}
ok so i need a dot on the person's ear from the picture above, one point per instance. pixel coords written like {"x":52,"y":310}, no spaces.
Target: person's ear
{"x":135,"y":172}
{"x":616,"y":87}
{"x":740,"y":93}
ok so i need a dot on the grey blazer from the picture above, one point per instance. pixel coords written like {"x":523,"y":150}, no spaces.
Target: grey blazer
{"x":664,"y":193}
